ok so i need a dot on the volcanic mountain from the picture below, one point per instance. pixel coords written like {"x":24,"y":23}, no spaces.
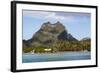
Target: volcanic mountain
{"x":48,"y":34}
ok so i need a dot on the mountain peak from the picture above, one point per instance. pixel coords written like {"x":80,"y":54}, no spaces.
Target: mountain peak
{"x":49,"y":26}
{"x":58,"y":22}
{"x":47,"y":22}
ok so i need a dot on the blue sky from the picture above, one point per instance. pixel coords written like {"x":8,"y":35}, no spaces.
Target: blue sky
{"x":77,"y":24}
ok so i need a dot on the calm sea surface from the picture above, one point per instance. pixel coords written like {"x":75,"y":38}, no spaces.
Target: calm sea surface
{"x":61,"y":56}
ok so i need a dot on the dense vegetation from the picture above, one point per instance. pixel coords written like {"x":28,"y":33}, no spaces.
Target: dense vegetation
{"x":62,"y":46}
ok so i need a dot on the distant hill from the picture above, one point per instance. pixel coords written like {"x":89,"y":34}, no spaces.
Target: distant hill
{"x":86,"y":39}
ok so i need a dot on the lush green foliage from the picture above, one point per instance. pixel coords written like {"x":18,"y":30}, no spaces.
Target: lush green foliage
{"x":61,"y":46}
{"x":26,"y":50}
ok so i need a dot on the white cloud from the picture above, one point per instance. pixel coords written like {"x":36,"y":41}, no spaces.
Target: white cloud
{"x":56,"y":17}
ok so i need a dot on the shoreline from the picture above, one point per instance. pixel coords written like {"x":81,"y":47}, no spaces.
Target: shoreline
{"x":57,"y":52}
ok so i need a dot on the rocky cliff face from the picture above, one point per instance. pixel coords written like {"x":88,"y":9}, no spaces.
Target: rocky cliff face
{"x":49,"y":33}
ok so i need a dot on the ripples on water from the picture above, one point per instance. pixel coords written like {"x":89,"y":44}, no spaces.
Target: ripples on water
{"x":61,"y":56}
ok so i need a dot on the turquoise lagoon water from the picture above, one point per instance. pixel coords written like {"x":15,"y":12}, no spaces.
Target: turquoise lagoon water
{"x":61,"y":56}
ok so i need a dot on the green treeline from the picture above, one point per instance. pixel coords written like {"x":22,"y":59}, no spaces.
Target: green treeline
{"x":61,"y":46}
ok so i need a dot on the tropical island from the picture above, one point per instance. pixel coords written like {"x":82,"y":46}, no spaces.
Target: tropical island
{"x":53,"y":38}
